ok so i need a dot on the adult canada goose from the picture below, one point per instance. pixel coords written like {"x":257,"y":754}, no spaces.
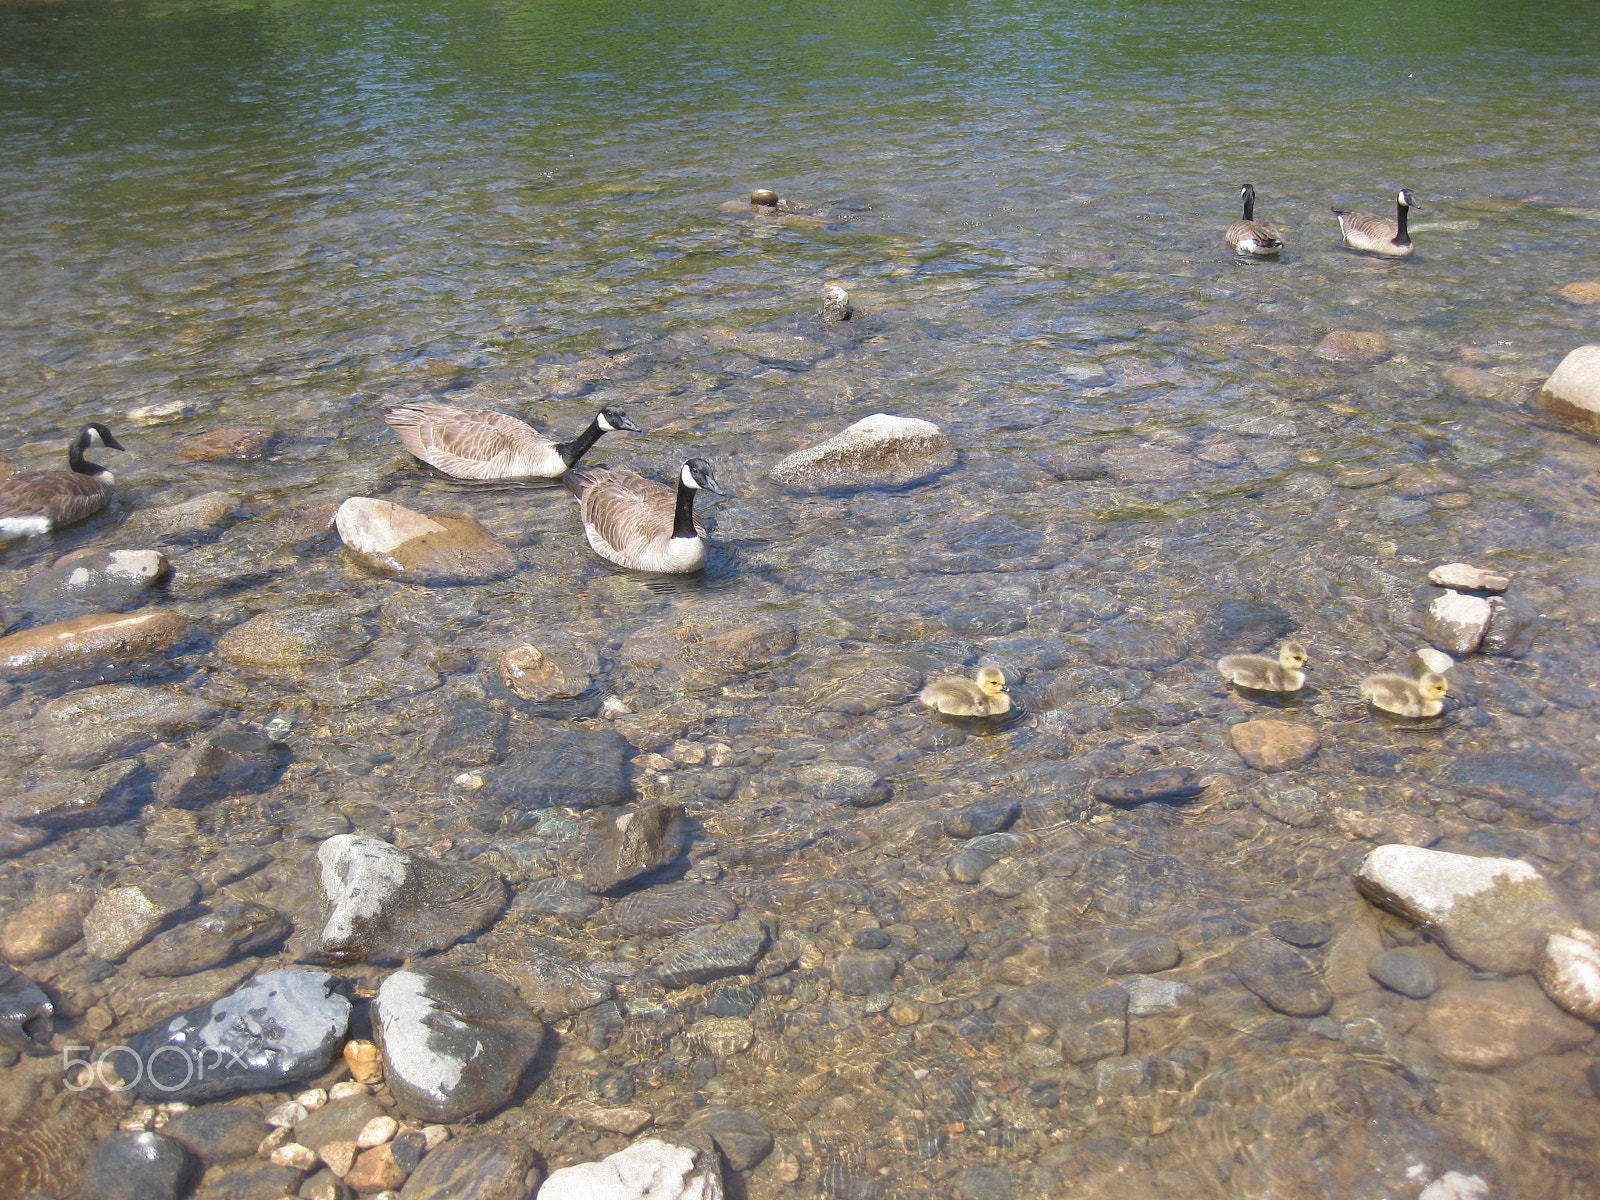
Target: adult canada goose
{"x":1378,"y":235}
{"x":1419,"y":697}
{"x":642,"y":525}
{"x":1262,"y":674}
{"x":479,"y":443}
{"x":40,"y":501}
{"x":1250,"y":236}
{"x":956,"y":696}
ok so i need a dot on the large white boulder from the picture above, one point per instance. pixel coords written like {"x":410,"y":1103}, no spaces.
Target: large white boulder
{"x":1572,"y":393}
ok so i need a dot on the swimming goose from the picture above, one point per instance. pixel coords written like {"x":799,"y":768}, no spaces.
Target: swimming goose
{"x":984,"y":696}
{"x":642,"y":525}
{"x":1250,"y":236}
{"x":1419,"y":697}
{"x":1262,"y":674}
{"x":479,"y":443}
{"x":40,"y":501}
{"x":1379,"y":235}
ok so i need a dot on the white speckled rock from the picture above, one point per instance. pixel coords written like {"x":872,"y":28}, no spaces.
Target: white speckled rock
{"x":1491,"y":912}
{"x":875,"y":451}
{"x":650,"y":1169}
{"x":1569,"y":972}
{"x":1572,"y":393}
{"x":1456,"y":622}
{"x":1469,"y":578}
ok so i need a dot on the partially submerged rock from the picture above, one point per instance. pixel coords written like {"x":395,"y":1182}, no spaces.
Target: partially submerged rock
{"x":1572,"y":393}
{"x":427,"y":548}
{"x":92,"y":580}
{"x":650,"y":1169}
{"x":27,"y":1015}
{"x":1456,"y":622}
{"x":384,"y":904}
{"x":91,"y":638}
{"x":632,"y":845}
{"x":1466,"y":577}
{"x":1491,"y":912}
{"x":1569,"y":971}
{"x":877,"y":451}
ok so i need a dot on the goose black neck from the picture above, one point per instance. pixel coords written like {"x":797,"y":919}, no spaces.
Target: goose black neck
{"x":78,"y":463}
{"x":1249,"y":207}
{"x":572,"y":451}
{"x":683,"y":513}
{"x":1402,"y":211}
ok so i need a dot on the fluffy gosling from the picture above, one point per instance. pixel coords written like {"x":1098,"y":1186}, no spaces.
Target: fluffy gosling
{"x":1262,"y":674}
{"x":957,"y":696}
{"x":1420,"y":697}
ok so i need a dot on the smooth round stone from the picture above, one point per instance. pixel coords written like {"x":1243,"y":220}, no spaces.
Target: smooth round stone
{"x":572,"y":768}
{"x":217,"y":1133}
{"x":1174,"y":785}
{"x":1306,"y":934}
{"x":1466,"y":577}
{"x":1275,"y":745}
{"x":135,"y":1166}
{"x":44,"y":927}
{"x":91,"y":638}
{"x":968,"y":864}
{"x":875,"y":451}
{"x":871,"y":939}
{"x":1456,"y":622}
{"x":976,"y":820}
{"x":852,"y":787}
{"x":738,"y":1133}
{"x":1281,"y":977}
{"x":672,"y":908}
{"x":1569,"y":972}
{"x":1147,"y":956}
{"x":1409,"y":972}
{"x":1485,"y":1025}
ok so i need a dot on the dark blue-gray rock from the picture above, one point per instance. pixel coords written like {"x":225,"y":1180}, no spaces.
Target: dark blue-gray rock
{"x":71,"y":800}
{"x":1159,"y":952}
{"x":672,"y":908}
{"x":552,"y":987}
{"x":217,"y":1133}
{"x":984,"y":817}
{"x":455,"y":1043}
{"x":1407,"y":971}
{"x":839,"y":783}
{"x":1171,"y":785}
{"x":571,"y":768}
{"x":863,"y":972}
{"x":280,"y":1028}
{"x":632,"y":845}
{"x":1306,"y":934}
{"x":27,"y":1014}
{"x":481,"y":1166}
{"x":1544,"y":785}
{"x":1512,"y":623}
{"x":738,"y":1133}
{"x":711,"y":951}
{"x":383,"y":904}
{"x":221,"y":764}
{"x":229,"y":931}
{"x":872,"y":938}
{"x":1281,"y":976}
{"x":969,"y":863}
{"x":135,"y":1166}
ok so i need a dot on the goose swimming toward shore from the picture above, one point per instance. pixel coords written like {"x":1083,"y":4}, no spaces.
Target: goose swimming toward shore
{"x":1250,"y":236}
{"x":956,"y":696}
{"x":40,"y":501}
{"x":642,"y":525}
{"x":1373,"y":234}
{"x":1262,"y":674}
{"x":479,"y":443}
{"x":1419,"y":697}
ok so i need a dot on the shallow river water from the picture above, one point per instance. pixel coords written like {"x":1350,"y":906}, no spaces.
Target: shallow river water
{"x":285,"y":215}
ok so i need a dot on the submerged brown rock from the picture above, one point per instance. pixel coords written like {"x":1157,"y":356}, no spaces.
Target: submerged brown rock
{"x":89,"y":638}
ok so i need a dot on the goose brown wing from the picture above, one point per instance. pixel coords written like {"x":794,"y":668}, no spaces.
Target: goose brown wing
{"x":461,"y":441}
{"x":65,"y":496}
{"x":1367,"y":226}
{"x":627,"y":510}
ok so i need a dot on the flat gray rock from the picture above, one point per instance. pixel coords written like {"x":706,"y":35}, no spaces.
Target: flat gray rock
{"x":571,"y":768}
{"x":1544,"y":785}
{"x":712,"y":951}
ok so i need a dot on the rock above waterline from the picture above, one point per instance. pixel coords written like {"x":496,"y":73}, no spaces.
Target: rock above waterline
{"x":1572,"y":393}
{"x":427,"y":548}
{"x":384,"y":904}
{"x":880,"y":450}
{"x":282,"y":1027}
{"x":455,"y":1043}
{"x":1275,"y":745}
{"x":98,"y":580}
{"x":91,"y":638}
{"x":1491,"y":912}
{"x":485,"y":1166}
{"x":1456,"y":622}
{"x":1485,"y":1025}
{"x":1467,"y":577}
{"x":647,"y":1170}
{"x":1569,"y":972}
